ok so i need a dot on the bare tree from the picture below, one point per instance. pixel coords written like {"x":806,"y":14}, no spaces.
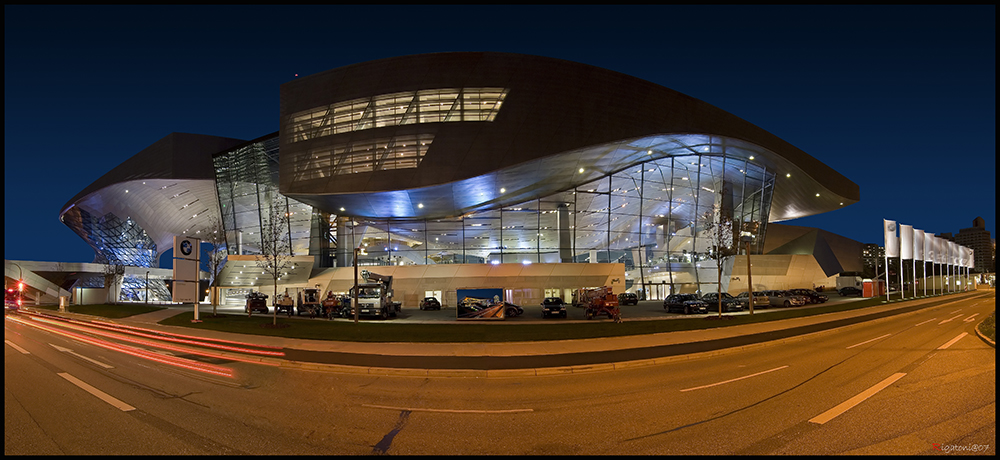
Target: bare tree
{"x":721,"y":237}
{"x":217,"y":256}
{"x":113,"y":272}
{"x":275,"y":245}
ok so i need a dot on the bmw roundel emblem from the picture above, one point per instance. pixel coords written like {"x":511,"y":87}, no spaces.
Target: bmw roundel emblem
{"x":186,"y":247}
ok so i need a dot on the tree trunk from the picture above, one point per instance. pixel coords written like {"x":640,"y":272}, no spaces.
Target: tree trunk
{"x":273,"y":299}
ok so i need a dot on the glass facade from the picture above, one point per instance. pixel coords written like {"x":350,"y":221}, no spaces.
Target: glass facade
{"x":652,"y":214}
{"x":411,"y":107}
{"x":121,"y":242}
{"x":247,"y":185}
{"x":396,"y":152}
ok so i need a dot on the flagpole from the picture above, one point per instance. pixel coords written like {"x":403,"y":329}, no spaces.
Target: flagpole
{"x":887,"y":276}
{"x":902,"y":290}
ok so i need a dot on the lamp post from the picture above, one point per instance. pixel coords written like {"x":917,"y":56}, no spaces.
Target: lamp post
{"x":147,"y":287}
{"x":354,"y":300}
{"x":747,"y":239}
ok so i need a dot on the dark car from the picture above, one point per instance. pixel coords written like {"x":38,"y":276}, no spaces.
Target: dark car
{"x":553,"y":306}
{"x":684,"y":303}
{"x":729,"y":303}
{"x":256,"y":302}
{"x":511,"y":310}
{"x":849,"y":291}
{"x":810,"y":295}
{"x":628,"y":298}
{"x":430,"y":303}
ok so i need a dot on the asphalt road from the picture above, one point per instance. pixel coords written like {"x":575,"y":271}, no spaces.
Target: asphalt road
{"x":920,"y":382}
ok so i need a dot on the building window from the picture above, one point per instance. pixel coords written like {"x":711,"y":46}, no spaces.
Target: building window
{"x":424,"y":106}
{"x":397,"y":152}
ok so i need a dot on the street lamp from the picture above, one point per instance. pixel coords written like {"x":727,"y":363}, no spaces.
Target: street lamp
{"x":147,"y":287}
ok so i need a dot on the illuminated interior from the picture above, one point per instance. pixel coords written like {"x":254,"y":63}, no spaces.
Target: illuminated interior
{"x":412,"y":107}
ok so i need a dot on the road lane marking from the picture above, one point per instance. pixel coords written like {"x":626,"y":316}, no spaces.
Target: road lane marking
{"x":94,"y":391}
{"x":949,"y":319}
{"x":733,"y":380}
{"x":925,"y":322}
{"x":866,"y":341}
{"x":858,"y":399}
{"x":451,"y":411}
{"x":14,"y":346}
{"x":956,"y":311}
{"x":69,"y":351}
{"x":952,"y":341}
{"x":970,"y":319}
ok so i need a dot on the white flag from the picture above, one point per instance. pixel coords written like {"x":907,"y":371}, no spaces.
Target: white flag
{"x":918,"y":244}
{"x":972,"y":258}
{"x":891,"y":241}
{"x":938,"y":250}
{"x":951,"y":253}
{"x":906,"y":242}
{"x":929,"y":252}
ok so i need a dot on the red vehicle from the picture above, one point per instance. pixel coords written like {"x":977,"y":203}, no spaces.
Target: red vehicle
{"x":601,"y":301}
{"x":12,"y":299}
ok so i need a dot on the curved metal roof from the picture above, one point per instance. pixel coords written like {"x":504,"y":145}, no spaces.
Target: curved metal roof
{"x":558,"y":117}
{"x":167,"y":189}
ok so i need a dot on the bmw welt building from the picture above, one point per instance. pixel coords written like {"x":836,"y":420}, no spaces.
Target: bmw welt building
{"x":470,"y":169}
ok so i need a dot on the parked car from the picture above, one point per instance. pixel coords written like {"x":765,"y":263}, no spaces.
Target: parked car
{"x":511,"y":310}
{"x":553,"y":306}
{"x":684,"y":303}
{"x":849,"y":291}
{"x":256,"y":302}
{"x":430,"y":303}
{"x":729,"y":303}
{"x":810,"y":295}
{"x":628,"y":298}
{"x":760,"y":300}
{"x":785,"y":299}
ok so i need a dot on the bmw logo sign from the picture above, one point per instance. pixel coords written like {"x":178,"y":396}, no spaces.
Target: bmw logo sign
{"x":186,"y":247}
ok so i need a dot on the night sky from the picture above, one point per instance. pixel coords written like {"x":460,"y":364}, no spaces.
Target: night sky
{"x":900,"y":100}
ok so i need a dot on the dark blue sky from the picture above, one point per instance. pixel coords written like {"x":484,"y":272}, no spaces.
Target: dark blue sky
{"x":901,"y":100}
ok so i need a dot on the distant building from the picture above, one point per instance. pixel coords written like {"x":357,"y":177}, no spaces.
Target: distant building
{"x":872,"y":256}
{"x":978,"y":238}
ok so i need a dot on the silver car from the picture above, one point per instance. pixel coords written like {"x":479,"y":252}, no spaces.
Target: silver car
{"x":760,"y":300}
{"x":785,"y":299}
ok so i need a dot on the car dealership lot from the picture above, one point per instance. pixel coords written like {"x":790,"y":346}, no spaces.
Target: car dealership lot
{"x":644,"y":310}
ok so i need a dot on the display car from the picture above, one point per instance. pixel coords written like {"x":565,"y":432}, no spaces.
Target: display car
{"x":785,"y":299}
{"x":684,"y":303}
{"x":511,"y":310}
{"x":729,"y":303}
{"x":628,"y":298}
{"x":760,"y":300}
{"x":430,"y":303}
{"x":553,"y":306}
{"x":810,"y":295}
{"x":849,"y":291}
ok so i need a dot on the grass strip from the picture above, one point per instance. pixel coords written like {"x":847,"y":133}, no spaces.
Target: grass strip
{"x":387,"y":331}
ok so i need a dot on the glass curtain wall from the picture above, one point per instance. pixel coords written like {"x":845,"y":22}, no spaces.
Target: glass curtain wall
{"x":247,"y":185}
{"x":653,"y":216}
{"x":123,"y":242}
